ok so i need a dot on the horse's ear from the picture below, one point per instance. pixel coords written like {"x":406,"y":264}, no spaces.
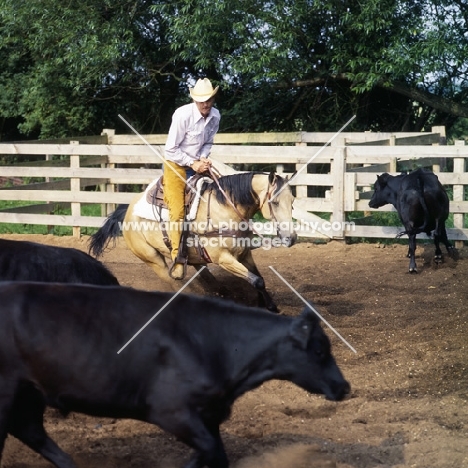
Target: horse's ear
{"x":271,"y":177}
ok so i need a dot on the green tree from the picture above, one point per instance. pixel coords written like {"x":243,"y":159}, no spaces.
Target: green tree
{"x":399,"y":65}
{"x":71,"y":68}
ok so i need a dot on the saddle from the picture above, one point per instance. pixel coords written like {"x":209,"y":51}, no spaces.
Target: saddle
{"x":155,"y":197}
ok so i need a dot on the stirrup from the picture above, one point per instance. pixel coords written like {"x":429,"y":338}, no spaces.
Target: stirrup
{"x":183,"y":263}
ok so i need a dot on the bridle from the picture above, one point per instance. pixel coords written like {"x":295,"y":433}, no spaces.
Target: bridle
{"x":268,"y":199}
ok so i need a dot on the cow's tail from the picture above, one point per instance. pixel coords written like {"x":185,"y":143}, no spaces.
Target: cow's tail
{"x":109,"y":230}
{"x":423,"y":204}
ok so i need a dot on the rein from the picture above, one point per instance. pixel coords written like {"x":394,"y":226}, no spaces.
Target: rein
{"x":215,"y":178}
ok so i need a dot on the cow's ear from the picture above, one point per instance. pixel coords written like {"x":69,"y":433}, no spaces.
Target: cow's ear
{"x":302,"y":327}
{"x":382,"y":180}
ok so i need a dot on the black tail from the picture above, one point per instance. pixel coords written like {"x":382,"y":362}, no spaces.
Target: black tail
{"x":423,"y":204}
{"x":109,"y":230}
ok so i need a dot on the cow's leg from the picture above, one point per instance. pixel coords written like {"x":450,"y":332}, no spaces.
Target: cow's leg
{"x":440,"y":235}
{"x":412,"y":253}
{"x":26,"y":422}
{"x":204,"y":438}
{"x":6,"y":400}
{"x":249,"y":272}
{"x":216,"y":459}
{"x":438,"y":252}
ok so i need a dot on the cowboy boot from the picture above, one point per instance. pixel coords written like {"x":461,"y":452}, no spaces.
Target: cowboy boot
{"x":177,"y":269}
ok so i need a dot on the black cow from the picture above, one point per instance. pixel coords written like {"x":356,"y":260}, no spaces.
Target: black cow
{"x":59,"y":347}
{"x":30,"y":261}
{"x":422,"y":204}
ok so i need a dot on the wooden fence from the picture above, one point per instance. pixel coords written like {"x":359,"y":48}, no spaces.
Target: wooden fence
{"x":335,"y":175}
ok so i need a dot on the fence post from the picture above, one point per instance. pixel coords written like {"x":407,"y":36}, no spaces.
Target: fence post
{"x":110,"y":133}
{"x":442,"y":166}
{"x":458,"y":167}
{"x":301,"y":190}
{"x":50,"y":228}
{"x":442,"y":136}
{"x":109,"y":207}
{"x":74,"y":188}
{"x":392,"y":165}
{"x":338,"y":169}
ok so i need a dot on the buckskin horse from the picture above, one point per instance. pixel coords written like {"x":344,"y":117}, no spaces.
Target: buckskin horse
{"x":220,"y":226}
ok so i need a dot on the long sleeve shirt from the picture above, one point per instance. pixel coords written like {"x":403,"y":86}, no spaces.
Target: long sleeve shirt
{"x":190,"y":135}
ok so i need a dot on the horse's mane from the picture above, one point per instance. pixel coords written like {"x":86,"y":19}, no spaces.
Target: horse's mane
{"x":238,"y":187}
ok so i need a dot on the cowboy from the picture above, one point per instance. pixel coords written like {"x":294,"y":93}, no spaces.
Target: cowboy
{"x":187,"y":149}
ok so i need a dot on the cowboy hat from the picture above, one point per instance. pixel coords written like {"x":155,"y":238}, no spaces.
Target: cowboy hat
{"x":203,"y":90}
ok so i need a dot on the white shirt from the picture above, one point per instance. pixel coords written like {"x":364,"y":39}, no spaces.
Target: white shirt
{"x":191,"y":136}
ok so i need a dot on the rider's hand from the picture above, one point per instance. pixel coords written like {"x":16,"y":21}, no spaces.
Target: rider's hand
{"x":202,"y":165}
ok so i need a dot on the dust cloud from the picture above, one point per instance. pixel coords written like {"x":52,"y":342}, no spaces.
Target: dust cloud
{"x":291,"y":456}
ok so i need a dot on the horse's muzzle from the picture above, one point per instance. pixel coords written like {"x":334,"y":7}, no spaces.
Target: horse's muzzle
{"x":288,"y":239}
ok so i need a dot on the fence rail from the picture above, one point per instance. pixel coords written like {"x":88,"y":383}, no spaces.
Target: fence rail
{"x":336,"y":179}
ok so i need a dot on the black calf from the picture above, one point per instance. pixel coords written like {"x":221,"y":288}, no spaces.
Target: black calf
{"x":422,"y":204}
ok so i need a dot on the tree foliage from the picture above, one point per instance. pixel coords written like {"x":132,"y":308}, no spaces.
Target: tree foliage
{"x":70,"y":69}
{"x":337,"y":57}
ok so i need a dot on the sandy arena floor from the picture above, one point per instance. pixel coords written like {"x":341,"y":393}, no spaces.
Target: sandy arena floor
{"x":408,"y":406}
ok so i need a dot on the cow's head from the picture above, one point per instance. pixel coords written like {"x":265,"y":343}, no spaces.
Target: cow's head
{"x":384,"y":193}
{"x":312,"y":365}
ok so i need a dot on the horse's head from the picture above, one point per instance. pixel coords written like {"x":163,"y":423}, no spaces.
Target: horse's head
{"x":277,"y":207}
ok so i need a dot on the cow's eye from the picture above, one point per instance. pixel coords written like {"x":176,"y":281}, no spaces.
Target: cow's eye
{"x":320,"y":353}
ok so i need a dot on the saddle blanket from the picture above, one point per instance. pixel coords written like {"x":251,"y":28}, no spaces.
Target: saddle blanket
{"x":146,"y":210}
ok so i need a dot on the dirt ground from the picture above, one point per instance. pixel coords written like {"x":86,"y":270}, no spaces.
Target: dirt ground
{"x":409,"y":377}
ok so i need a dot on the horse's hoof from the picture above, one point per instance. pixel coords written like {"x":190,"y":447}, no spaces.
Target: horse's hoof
{"x":273,"y":308}
{"x":438,"y":259}
{"x":413,"y":270}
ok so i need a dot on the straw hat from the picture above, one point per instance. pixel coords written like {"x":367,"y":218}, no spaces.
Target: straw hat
{"x":203,"y":90}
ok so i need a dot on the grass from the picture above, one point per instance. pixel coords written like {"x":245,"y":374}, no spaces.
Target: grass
{"x":17,"y":228}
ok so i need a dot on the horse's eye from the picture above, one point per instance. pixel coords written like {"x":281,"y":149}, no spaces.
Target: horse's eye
{"x":275,"y":203}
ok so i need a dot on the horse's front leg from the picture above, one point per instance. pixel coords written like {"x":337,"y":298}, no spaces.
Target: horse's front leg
{"x":247,"y":269}
{"x":264,"y":298}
